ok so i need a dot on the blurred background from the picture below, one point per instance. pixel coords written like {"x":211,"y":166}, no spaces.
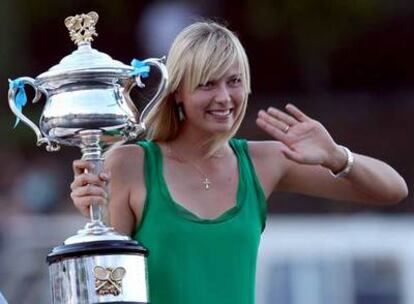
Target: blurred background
{"x":346,"y":63}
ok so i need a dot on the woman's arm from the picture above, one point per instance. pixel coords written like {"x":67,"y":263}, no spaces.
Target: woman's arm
{"x":305,"y":154}
{"x":369,"y":181}
{"x":126,"y":193}
{"x":127,"y":190}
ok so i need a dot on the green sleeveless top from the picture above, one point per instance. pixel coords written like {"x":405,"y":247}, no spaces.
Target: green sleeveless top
{"x":201,"y":261}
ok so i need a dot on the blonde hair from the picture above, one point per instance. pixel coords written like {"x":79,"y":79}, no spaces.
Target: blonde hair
{"x":201,"y":51}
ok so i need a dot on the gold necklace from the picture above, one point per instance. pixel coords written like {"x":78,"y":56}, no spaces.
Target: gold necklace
{"x":206,"y":182}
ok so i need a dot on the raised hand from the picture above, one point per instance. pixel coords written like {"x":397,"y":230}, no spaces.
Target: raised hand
{"x":306,"y":140}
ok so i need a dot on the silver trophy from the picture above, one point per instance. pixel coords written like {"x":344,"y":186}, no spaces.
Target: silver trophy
{"x":88,"y":106}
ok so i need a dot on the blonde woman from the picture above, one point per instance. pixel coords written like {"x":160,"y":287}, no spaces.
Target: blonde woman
{"x":196,"y":197}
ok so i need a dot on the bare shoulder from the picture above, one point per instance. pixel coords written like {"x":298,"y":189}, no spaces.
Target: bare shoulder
{"x":124,"y":155}
{"x":265,"y":150}
{"x":124,"y":151}
{"x":269,"y":161}
{"x":125,"y":161}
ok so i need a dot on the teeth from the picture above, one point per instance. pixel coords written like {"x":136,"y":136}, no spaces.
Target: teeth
{"x":220,"y":112}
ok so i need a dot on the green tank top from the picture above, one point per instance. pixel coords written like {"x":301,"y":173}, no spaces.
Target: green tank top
{"x":201,"y":261}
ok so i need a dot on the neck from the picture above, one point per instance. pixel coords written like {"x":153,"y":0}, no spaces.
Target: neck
{"x":194,"y":145}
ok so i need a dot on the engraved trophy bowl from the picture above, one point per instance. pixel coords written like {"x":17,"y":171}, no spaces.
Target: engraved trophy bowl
{"x":88,"y":106}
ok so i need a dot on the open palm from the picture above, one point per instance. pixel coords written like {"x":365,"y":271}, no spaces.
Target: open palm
{"x":306,"y":140}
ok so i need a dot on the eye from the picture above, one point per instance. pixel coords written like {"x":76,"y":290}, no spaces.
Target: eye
{"x":234,"y":81}
{"x":207,"y":85}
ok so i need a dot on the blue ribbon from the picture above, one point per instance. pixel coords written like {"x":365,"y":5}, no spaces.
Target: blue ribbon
{"x":140,"y":68}
{"x":20,"y":98}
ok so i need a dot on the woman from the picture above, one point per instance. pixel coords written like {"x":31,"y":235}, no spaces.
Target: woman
{"x":196,"y":197}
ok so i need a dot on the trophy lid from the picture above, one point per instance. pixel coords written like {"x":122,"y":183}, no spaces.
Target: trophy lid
{"x":85,"y":60}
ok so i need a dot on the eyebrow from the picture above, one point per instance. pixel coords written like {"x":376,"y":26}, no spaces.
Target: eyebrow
{"x":235,"y":75}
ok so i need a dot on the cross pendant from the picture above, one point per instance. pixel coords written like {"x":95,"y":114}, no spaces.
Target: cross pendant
{"x":206,"y":183}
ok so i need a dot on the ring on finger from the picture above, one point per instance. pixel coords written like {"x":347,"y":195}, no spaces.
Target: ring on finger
{"x":286,"y":129}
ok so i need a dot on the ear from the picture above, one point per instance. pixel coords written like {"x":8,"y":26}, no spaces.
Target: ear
{"x":178,"y":96}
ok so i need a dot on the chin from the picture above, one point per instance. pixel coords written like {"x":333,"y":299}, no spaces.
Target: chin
{"x":220,"y":129}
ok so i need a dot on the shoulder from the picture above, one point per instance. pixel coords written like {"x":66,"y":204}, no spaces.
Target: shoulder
{"x":125,"y":158}
{"x":266,"y":150}
{"x":269,"y":161}
{"x":124,"y":153}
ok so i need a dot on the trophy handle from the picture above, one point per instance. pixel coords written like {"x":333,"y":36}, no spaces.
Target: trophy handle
{"x":158,"y":63}
{"x":51,"y":145}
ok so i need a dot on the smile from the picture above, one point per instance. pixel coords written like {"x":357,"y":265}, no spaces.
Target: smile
{"x":221,"y":113}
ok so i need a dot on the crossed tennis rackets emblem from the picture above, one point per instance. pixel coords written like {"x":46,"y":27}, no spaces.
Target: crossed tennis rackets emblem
{"x":108,"y":280}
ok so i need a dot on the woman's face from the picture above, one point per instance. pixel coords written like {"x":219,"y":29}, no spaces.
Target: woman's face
{"x":214,"y":106}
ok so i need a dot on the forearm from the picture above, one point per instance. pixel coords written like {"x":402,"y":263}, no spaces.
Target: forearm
{"x":368,"y":181}
{"x":309,"y":152}
{"x":372,"y":180}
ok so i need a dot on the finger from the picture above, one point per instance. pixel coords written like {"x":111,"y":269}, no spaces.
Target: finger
{"x":83,"y":204}
{"x":105,"y":176}
{"x":271,"y":130}
{"x":86,"y":178}
{"x":298,"y":114}
{"x":89,"y":190}
{"x":83,"y":207}
{"x":273,"y":121}
{"x":287,"y":119}
{"x":79,"y":166}
{"x":89,"y":193}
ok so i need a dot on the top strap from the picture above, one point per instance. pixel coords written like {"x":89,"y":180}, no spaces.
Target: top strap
{"x":241,"y":148}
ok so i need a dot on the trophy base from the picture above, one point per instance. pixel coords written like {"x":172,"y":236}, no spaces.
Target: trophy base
{"x":98,"y":265}
{"x":98,"y":272}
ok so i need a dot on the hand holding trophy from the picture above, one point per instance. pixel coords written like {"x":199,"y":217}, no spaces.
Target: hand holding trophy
{"x":88,"y":106}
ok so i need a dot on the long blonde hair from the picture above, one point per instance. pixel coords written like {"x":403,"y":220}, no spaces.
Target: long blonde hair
{"x":201,"y":51}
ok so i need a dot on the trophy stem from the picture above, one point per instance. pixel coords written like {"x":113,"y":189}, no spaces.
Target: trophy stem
{"x":97,"y":229}
{"x":92,"y":152}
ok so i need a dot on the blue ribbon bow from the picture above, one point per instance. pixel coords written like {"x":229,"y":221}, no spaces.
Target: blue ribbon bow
{"x":140,"y":68}
{"x":20,"y":98}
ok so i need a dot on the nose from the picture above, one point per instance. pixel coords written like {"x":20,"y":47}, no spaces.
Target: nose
{"x":222,"y":93}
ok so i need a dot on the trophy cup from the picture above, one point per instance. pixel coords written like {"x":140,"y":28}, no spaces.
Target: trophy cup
{"x":88,"y":106}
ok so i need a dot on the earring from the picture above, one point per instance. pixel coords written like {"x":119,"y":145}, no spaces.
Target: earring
{"x":180,"y":110}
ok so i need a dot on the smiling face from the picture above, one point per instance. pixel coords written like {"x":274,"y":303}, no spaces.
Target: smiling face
{"x":209,"y":74}
{"x":214,"y":106}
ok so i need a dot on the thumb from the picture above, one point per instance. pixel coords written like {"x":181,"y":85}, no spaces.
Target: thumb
{"x":106,"y":176}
